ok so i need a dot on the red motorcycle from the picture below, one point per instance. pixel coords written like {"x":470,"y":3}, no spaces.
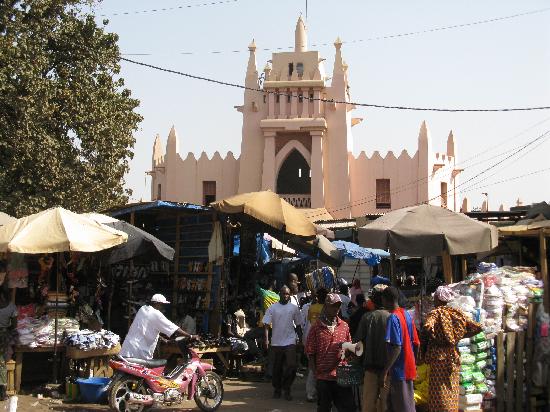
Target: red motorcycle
{"x":138,"y":384}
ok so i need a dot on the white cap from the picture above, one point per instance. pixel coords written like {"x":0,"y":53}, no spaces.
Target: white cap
{"x":158,"y":298}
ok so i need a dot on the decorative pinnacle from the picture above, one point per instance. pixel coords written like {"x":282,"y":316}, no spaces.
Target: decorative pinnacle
{"x":252,"y":46}
{"x":338,"y":42}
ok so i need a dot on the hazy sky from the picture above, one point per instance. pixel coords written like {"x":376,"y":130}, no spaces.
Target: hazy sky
{"x":500,"y":64}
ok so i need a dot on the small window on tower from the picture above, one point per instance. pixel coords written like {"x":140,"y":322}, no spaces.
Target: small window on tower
{"x":300,"y":98}
{"x":300,"y":69}
{"x":208,"y":192}
{"x":311,"y":97}
{"x":288,"y":97}
{"x":265,"y":98}
{"x":159,"y":192}
{"x":383,"y":194}
{"x":299,"y":172}
{"x":290,"y":68}
{"x":277,"y":97}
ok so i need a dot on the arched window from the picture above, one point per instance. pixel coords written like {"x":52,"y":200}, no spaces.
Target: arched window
{"x":294,"y":175}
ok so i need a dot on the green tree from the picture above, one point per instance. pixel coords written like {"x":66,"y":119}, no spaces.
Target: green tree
{"x":66,"y":120}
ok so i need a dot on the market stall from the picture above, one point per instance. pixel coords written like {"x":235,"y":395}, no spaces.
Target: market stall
{"x":54,"y":285}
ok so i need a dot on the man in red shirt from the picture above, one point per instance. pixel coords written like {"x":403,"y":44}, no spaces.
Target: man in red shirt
{"x":323,"y":348}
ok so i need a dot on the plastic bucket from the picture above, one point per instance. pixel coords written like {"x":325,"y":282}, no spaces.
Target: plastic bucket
{"x":93,"y":390}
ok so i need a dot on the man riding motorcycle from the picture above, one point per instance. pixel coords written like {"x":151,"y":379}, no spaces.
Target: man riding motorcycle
{"x":149,"y":322}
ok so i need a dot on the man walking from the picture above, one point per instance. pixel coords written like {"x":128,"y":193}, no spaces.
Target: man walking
{"x":402,"y":343}
{"x":285,"y":321}
{"x":372,"y":332}
{"x":323,"y":347}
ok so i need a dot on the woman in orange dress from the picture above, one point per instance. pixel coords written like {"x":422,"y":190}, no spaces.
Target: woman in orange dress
{"x":444,"y":327}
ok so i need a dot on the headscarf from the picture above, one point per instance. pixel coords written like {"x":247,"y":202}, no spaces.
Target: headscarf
{"x":444,"y":294}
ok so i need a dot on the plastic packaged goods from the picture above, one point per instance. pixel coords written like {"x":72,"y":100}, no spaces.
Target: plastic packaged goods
{"x":467,"y":359}
{"x":467,"y":388}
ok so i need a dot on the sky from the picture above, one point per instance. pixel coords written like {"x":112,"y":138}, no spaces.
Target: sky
{"x":501,"y":64}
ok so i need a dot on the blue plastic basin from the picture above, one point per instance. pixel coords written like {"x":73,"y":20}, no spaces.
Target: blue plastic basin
{"x":93,"y":390}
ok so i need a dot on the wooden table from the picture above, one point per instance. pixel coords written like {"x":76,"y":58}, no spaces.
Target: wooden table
{"x":173,"y":349}
{"x":20,"y":350}
{"x":93,"y":362}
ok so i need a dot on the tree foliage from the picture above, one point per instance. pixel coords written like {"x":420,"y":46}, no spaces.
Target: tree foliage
{"x":66,"y":120}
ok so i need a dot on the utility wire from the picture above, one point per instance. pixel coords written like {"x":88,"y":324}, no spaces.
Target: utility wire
{"x":160,"y":9}
{"x":298,"y":96}
{"x":348,"y":206}
{"x":356,"y":41}
{"x":510,"y":179}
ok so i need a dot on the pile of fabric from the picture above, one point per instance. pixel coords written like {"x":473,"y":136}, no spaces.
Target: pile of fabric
{"x":89,"y":340}
{"x":321,"y":278}
{"x":37,"y":332}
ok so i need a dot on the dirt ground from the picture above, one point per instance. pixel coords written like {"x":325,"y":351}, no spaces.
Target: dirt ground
{"x":239,"y":396}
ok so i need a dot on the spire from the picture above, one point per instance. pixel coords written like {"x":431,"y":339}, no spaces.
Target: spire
{"x":451,"y":144}
{"x":338,"y":61}
{"x":465,"y":205}
{"x":252,"y":70}
{"x":158,"y":149}
{"x":173,"y":142}
{"x":300,"y":36}
{"x":423,"y":135}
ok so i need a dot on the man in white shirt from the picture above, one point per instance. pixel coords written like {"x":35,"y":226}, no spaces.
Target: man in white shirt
{"x":143,"y":335}
{"x":285,"y":321}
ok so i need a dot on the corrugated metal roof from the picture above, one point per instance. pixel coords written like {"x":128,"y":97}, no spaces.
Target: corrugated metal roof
{"x":157,"y":204}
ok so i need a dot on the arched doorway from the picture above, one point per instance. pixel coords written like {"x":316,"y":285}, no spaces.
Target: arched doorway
{"x":294,"y":175}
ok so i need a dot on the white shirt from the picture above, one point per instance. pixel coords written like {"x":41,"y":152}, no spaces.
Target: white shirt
{"x":143,"y":335}
{"x":282,"y":319}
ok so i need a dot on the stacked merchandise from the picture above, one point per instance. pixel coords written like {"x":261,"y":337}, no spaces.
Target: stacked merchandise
{"x":37,"y":332}
{"x":498,"y":298}
{"x":474,"y":359}
{"x":89,"y":340}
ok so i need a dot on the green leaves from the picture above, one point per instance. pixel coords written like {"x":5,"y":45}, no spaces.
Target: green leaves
{"x":66,"y":120}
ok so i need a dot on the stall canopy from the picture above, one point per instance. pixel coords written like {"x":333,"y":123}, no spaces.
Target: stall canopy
{"x":319,"y":248}
{"x":427,"y":230}
{"x":5,"y":219}
{"x":267,"y":208}
{"x":372,"y":257}
{"x":139,"y":242}
{"x":58,"y":230}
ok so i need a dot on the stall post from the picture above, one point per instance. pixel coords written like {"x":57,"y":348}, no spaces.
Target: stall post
{"x":447,"y":267}
{"x":392,"y":268}
{"x":544,"y":269}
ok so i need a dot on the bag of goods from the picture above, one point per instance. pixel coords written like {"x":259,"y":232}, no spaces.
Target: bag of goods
{"x":478,"y":377}
{"x":479,"y":337}
{"x":467,"y":368}
{"x":467,"y":358}
{"x":471,"y":399}
{"x":467,"y":388}
{"x":481,"y":388}
{"x":465,"y":377}
{"x":481,"y":356}
{"x":464,"y":342}
{"x":481,"y":364}
{"x":479,"y":346}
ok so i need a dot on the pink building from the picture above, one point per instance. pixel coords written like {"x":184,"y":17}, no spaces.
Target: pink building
{"x":297,"y":141}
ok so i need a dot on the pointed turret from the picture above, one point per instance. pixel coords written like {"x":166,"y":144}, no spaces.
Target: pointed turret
{"x":465,"y":205}
{"x":451,"y":145}
{"x":251,"y":70}
{"x":158,"y":149}
{"x":338,"y":61}
{"x":173,"y":143}
{"x":501,"y":208}
{"x":300,"y":36}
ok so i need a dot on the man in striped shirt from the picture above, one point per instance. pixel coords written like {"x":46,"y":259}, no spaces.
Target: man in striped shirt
{"x":323,"y":348}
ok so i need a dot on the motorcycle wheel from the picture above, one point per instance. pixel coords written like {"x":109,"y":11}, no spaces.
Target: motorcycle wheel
{"x":120,"y":388}
{"x":209,"y":392}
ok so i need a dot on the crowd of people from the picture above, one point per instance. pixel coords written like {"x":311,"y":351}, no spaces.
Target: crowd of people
{"x":392,"y":347}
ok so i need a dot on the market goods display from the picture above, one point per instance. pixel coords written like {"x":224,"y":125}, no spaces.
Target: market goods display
{"x":37,"y":332}
{"x":88,"y":340}
{"x":497,"y":298}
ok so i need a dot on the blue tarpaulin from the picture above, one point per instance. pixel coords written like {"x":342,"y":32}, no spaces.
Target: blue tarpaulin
{"x":371,"y":257}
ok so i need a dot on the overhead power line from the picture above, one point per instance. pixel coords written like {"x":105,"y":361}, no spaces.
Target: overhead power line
{"x":298,"y":96}
{"x":510,"y":179}
{"x":356,"y":41}
{"x":161,"y":9}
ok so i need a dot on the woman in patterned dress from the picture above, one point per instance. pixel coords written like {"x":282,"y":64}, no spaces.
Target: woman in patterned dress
{"x":444,"y":327}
